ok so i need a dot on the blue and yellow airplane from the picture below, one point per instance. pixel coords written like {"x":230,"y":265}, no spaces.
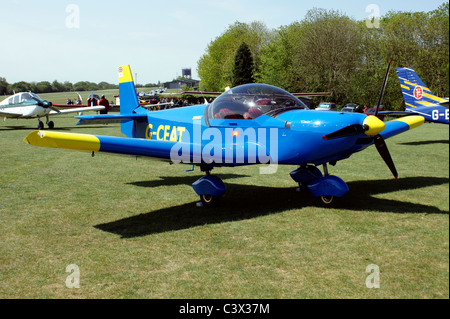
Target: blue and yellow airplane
{"x":419,"y":99}
{"x":247,"y":125}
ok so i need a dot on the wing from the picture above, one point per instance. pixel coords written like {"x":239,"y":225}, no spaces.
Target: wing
{"x":76,"y":110}
{"x":9,"y":114}
{"x":98,"y":143}
{"x":401,"y":125}
{"x":108,"y":118}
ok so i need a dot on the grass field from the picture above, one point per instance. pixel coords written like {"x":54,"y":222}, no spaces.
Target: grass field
{"x":132,"y":227}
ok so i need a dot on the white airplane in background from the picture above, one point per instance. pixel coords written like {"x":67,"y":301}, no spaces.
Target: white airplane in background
{"x":28,"y":105}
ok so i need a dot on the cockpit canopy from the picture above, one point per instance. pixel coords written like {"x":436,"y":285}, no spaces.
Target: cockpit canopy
{"x":21,"y":98}
{"x":250,"y":101}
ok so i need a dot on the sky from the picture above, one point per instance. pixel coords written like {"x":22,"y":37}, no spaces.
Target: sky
{"x":80,"y":40}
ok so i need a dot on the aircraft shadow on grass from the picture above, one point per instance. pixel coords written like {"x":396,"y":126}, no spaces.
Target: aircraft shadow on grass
{"x":426,"y":142}
{"x":242,"y":202}
{"x":180,"y":180}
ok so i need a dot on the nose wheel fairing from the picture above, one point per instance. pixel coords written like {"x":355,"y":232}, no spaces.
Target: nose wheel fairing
{"x":210,"y":188}
{"x":325,"y":187}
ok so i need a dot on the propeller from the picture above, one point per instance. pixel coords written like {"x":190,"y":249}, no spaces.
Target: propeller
{"x":354,"y":129}
{"x":372,"y":126}
{"x":48,"y":105}
{"x":383,"y":87}
{"x":381,"y":146}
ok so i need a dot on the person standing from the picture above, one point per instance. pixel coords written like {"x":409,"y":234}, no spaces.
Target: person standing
{"x":103,"y":101}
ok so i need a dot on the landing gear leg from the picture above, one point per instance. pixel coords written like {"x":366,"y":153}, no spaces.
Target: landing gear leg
{"x":40,"y":125}
{"x":50,"y":123}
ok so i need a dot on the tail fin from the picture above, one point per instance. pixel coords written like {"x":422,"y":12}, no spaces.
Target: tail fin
{"x":415,"y":93}
{"x":129,"y":106}
{"x":127,"y":91}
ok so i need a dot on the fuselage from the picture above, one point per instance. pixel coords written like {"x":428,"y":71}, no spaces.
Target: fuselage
{"x":436,"y":114}
{"x":293,"y":137}
{"x":24,"y":105}
{"x":26,"y":111}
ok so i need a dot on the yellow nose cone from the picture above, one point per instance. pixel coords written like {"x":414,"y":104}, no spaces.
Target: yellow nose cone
{"x":374,"y":125}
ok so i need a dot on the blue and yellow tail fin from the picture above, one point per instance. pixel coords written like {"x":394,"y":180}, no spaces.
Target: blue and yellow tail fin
{"x":128,"y":98}
{"x":415,"y":92}
{"x":134,"y":126}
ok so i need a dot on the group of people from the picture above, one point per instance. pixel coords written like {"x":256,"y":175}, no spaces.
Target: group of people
{"x":92,"y":101}
{"x":156,"y":105}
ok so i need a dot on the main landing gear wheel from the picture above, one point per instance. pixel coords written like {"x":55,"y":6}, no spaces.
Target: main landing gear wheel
{"x":51,"y":125}
{"x":40,"y":125}
{"x":209,"y":200}
{"x":328,"y":201}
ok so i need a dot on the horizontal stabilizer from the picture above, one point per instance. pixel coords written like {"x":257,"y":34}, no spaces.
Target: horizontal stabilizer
{"x":109,"y":118}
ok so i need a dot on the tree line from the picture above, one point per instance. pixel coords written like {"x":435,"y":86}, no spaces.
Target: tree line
{"x":329,"y":51}
{"x":55,"y":86}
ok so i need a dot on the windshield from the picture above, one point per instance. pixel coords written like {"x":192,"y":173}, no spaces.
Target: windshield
{"x":36,"y":97}
{"x":29,"y":97}
{"x":250,"y":101}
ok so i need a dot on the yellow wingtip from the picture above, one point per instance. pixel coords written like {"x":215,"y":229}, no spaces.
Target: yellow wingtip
{"x":412,"y":120}
{"x":82,"y":142}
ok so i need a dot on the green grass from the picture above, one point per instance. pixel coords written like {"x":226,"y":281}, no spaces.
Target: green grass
{"x":133,"y":228}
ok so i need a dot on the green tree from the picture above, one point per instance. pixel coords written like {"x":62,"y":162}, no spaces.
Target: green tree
{"x":419,"y":39}
{"x":277,"y":58}
{"x":21,"y":86}
{"x":215,"y":67}
{"x":3,"y":86}
{"x":243,"y":66}
{"x":43,"y":87}
{"x":57,"y":86}
{"x":328,"y":53}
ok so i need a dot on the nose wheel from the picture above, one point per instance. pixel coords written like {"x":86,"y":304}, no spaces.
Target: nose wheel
{"x":50,"y":124}
{"x":328,"y":201}
{"x":208,"y":200}
{"x":210,"y":189}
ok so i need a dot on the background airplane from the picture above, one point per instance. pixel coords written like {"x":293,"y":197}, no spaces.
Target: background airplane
{"x":28,"y":105}
{"x":246,"y":125}
{"x":419,"y":99}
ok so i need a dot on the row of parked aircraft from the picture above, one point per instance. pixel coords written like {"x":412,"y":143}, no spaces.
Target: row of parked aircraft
{"x":246,"y":125}
{"x":418,"y":100}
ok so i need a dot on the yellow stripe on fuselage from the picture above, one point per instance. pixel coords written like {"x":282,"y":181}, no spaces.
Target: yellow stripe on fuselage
{"x":125,"y":74}
{"x":82,"y":142}
{"x":413,"y":120}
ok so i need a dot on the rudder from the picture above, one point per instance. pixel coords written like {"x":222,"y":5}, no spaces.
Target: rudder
{"x":127,"y":91}
{"x":129,"y":105}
